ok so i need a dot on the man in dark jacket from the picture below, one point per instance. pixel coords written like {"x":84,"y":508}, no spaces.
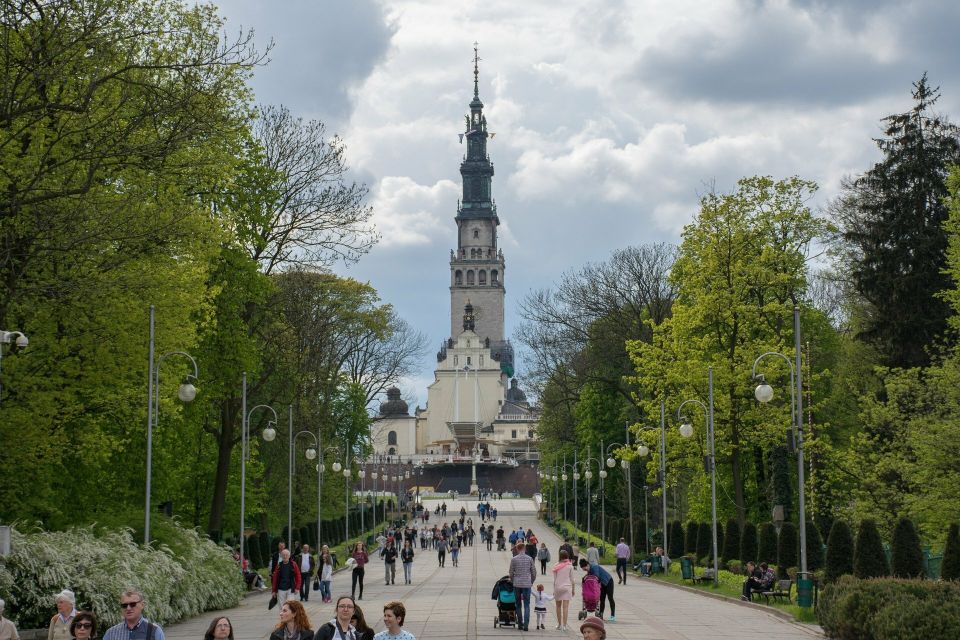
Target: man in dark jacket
{"x":389,"y":555}
{"x":286,"y":578}
{"x":306,"y":564}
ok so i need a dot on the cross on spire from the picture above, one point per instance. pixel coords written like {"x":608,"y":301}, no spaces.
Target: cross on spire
{"x":476,"y":71}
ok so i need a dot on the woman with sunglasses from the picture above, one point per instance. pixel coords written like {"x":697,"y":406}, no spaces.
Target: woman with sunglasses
{"x":294,"y":623}
{"x":219,"y":629}
{"x":84,"y":626}
{"x":364,"y":632}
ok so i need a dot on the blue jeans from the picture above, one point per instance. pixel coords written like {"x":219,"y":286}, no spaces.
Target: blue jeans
{"x":523,"y":602}
{"x":325,"y":589}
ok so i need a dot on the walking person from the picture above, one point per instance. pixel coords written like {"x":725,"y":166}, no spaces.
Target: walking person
{"x":59,"y":628}
{"x":563,"y":588}
{"x":540,"y":606}
{"x":286,"y":578}
{"x":593,"y":554}
{"x":307,"y":567}
{"x":543,"y":555}
{"x":606,"y":587}
{"x":294,"y":623}
{"x":442,"y":546}
{"x":325,"y":562}
{"x":394,"y":614}
{"x":360,"y":559}
{"x":8,"y":630}
{"x":134,"y":625}
{"x":455,"y":545}
{"x":389,"y":555}
{"x":341,"y":627}
{"x":522,"y":574}
{"x":623,"y":554}
{"x":406,"y":558}
{"x":220,"y":629}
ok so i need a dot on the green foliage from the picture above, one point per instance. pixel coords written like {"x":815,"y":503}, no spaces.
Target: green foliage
{"x":950,"y":566}
{"x":814,"y":547}
{"x":869,"y":560}
{"x":892,"y":218}
{"x":676,"y":539}
{"x":855,"y":609}
{"x":781,"y":488}
{"x":704,"y":540}
{"x":690,"y":537}
{"x":788,"y":545}
{"x":748,"y":543}
{"x":839,"y":551}
{"x":767,"y":549}
{"x":906,"y":556}
{"x":184,"y":578}
{"x":731,"y":542}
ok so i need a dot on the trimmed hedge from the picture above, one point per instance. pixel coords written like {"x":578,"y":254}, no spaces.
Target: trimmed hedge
{"x":906,"y":555}
{"x":676,"y":539}
{"x":767,"y":551}
{"x":839,"y":551}
{"x":748,"y":542}
{"x":731,"y":542}
{"x":950,"y":569}
{"x":690,"y":539}
{"x":889,"y":609}
{"x":788,"y":546}
{"x":869,"y":560}
{"x":704,"y":540}
{"x":814,"y":547}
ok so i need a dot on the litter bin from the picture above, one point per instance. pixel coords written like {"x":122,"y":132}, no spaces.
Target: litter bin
{"x":804,"y":592}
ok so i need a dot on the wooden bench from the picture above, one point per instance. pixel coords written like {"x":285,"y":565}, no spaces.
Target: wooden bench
{"x":780,"y":591}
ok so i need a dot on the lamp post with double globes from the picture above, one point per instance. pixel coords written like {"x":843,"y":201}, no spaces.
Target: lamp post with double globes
{"x":643,"y":450}
{"x":686,"y":430}
{"x":186,"y":393}
{"x":625,"y":465}
{"x":587,"y":476}
{"x":244,"y":447}
{"x":764,"y":394}
{"x":321,"y":470}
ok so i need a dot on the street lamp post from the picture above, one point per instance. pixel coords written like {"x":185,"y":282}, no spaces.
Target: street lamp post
{"x":587,"y":475}
{"x":244,"y":445}
{"x":644,"y":451}
{"x":6,"y":337}
{"x":625,"y":465}
{"x":564,"y":477}
{"x":269,"y":434}
{"x":576,"y":477}
{"x":346,"y":492}
{"x":321,"y":470}
{"x":764,"y":393}
{"x":187,"y":392}
{"x":686,"y":430}
{"x":603,"y":496}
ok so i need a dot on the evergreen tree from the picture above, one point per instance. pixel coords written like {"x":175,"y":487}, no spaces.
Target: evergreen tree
{"x":720,"y":533}
{"x":690,"y":539}
{"x":676,"y":539}
{"x":767,"y":550}
{"x":787,"y":548}
{"x":748,"y":543}
{"x":950,"y":566}
{"x":839,"y":551}
{"x":906,"y":554}
{"x":814,"y":547}
{"x":892,"y":218}
{"x":869,"y":560}
{"x":731,"y":542}
{"x":704,"y":541}
{"x":781,"y":486}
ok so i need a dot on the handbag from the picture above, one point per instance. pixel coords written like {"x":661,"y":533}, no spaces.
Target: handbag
{"x":316,"y":583}
{"x":273,"y":602}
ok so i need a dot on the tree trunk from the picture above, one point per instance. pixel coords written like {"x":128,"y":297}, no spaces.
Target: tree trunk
{"x":228,"y":416}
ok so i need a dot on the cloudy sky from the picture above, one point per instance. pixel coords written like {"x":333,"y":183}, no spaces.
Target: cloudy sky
{"x":611,"y":116}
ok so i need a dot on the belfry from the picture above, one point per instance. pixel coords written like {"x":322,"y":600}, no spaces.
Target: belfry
{"x":476,"y":416}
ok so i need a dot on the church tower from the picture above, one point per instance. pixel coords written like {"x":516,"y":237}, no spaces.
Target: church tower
{"x":477,"y":266}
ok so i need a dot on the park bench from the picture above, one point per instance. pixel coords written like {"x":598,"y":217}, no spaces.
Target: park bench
{"x":780,"y":591}
{"x":706,"y":576}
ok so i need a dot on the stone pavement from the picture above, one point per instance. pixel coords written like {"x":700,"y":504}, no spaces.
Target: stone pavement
{"x":454,"y":602}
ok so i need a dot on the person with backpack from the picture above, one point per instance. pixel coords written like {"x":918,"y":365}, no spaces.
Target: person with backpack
{"x":543,"y":555}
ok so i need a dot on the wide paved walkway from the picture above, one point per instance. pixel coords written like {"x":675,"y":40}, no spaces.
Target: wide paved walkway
{"x":454,"y":602}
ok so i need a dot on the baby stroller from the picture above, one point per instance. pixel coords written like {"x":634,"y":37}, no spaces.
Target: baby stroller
{"x":506,"y":599}
{"x":590,"y":588}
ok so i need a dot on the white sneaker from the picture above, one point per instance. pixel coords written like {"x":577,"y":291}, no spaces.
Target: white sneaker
{"x":559,"y":627}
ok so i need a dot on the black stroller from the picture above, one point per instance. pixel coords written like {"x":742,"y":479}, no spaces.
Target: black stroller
{"x":506,"y":599}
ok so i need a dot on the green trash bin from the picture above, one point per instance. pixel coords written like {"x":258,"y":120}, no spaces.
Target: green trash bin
{"x":686,"y":568}
{"x":805,"y":592}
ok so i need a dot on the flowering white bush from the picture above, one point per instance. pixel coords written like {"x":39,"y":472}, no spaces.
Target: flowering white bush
{"x":189,"y":575}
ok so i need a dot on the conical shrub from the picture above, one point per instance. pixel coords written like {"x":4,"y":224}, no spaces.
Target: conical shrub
{"x":719,"y":540}
{"x":906,"y":555}
{"x":839,"y":551}
{"x":748,"y":543}
{"x":731,"y":542}
{"x":950,"y":567}
{"x":869,"y":560}
{"x":787,"y":548}
{"x":767,"y":549}
{"x":814,"y":547}
{"x":704,"y":541}
{"x":676,"y":539}
{"x":690,"y":539}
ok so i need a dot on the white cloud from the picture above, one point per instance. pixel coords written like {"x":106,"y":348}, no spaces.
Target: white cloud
{"x":408,"y":213}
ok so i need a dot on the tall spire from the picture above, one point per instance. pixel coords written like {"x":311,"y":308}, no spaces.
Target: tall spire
{"x":476,"y":71}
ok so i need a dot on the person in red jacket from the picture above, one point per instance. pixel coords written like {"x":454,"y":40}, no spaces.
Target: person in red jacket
{"x":286,"y":578}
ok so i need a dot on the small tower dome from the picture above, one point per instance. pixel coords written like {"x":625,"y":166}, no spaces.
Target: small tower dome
{"x":515,"y":394}
{"x":394,"y":405}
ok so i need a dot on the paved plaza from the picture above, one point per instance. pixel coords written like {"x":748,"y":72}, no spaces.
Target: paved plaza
{"x":454,"y":602}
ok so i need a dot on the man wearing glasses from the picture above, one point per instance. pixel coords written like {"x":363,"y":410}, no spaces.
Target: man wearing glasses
{"x":134,"y":625}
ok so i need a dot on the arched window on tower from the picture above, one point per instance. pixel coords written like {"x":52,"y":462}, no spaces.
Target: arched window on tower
{"x":482,"y":277}
{"x":392,"y":438}
{"x":470,"y":277}
{"x":494,"y":277}
{"x":458,"y":277}
{"x":476,"y":233}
